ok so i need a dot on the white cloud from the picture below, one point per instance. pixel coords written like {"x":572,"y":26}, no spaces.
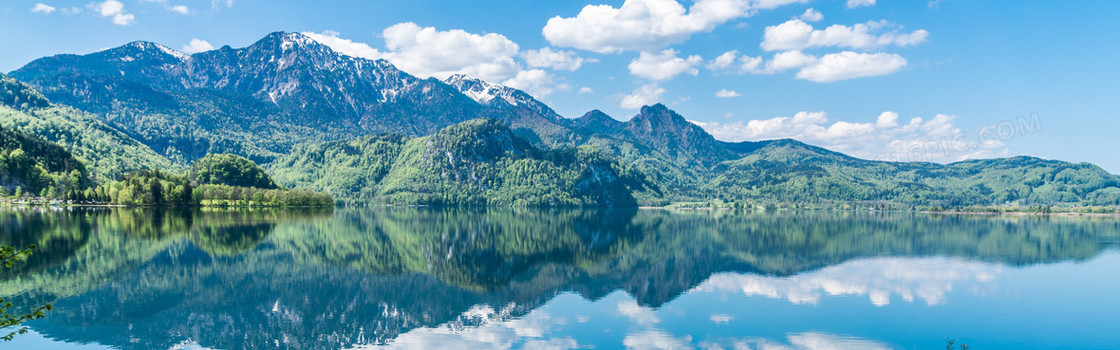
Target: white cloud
{"x":645,"y":95}
{"x":345,"y":46}
{"x":646,"y":24}
{"x":180,"y":9}
{"x":731,"y":61}
{"x":42,"y":8}
{"x":425,"y":51}
{"x":664,"y":65}
{"x":197,"y":45}
{"x":725,"y":93}
{"x":70,"y":11}
{"x":536,"y":82}
{"x":787,"y":60}
{"x":936,"y":140}
{"x":585,"y":90}
{"x":826,"y":69}
{"x":795,"y":34}
{"x":859,"y":3}
{"x":849,"y":65}
{"x":555,"y":59}
{"x":115,"y":10}
{"x":811,"y":15}
{"x":887,"y":119}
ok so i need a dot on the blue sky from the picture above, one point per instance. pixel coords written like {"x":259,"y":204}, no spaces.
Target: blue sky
{"x":986,"y":78}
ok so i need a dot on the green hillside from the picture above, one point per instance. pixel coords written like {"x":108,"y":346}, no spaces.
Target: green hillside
{"x":106,"y":151}
{"x":478,"y":162}
{"x":790,"y":171}
{"x":30,"y":166}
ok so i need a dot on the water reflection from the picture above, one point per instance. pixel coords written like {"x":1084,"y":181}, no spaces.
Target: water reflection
{"x":134,"y":278}
{"x":928,"y":279}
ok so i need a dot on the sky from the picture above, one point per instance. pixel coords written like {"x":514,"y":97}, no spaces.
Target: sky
{"x":927,"y":80}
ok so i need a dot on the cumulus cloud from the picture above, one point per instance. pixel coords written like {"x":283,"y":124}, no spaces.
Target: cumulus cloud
{"x":428,"y":52}
{"x":785,"y":61}
{"x":860,"y":3}
{"x":663,"y":65}
{"x":180,"y":9}
{"x":214,"y":4}
{"x":936,"y":140}
{"x":795,"y":34}
{"x":554,"y":59}
{"x":644,"y":95}
{"x":425,"y":51}
{"x":42,"y":8}
{"x":585,"y":90}
{"x":345,"y":46}
{"x":731,"y":61}
{"x":646,"y":24}
{"x":197,"y":45}
{"x":811,"y":15}
{"x":114,"y":9}
{"x":849,"y":65}
{"x":725,"y":93}
{"x":536,"y":82}
{"x":826,"y":69}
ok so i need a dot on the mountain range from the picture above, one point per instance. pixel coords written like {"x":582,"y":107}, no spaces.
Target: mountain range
{"x":366,"y":131}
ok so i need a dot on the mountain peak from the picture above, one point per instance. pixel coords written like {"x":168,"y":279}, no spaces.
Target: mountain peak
{"x":672,"y":134}
{"x":145,"y":49}
{"x":656,"y":108}
{"x":597,"y":121}
{"x":286,"y":41}
{"x":660,"y":116}
{"x":482,"y":91}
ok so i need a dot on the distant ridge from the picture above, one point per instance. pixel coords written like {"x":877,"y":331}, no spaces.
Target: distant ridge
{"x":322,"y":120}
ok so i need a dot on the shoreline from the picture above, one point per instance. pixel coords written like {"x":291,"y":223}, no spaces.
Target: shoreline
{"x":929,"y":212}
{"x":670,"y":208}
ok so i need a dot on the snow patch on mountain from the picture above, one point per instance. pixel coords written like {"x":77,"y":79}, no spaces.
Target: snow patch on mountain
{"x":483,"y":92}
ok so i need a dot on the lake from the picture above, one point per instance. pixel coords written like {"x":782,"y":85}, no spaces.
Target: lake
{"x":421,"y":278}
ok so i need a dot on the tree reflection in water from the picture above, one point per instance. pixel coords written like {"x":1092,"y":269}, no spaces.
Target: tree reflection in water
{"x":144,"y":278}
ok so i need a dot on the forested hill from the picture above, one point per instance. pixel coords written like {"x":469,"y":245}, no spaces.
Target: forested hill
{"x":106,"y":151}
{"x":34,"y":166}
{"x":478,"y":162}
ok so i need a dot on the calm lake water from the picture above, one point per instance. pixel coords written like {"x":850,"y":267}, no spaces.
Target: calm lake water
{"x":643,"y":279}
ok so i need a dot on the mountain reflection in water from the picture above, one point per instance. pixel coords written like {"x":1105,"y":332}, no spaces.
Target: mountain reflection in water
{"x":419,"y":277}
